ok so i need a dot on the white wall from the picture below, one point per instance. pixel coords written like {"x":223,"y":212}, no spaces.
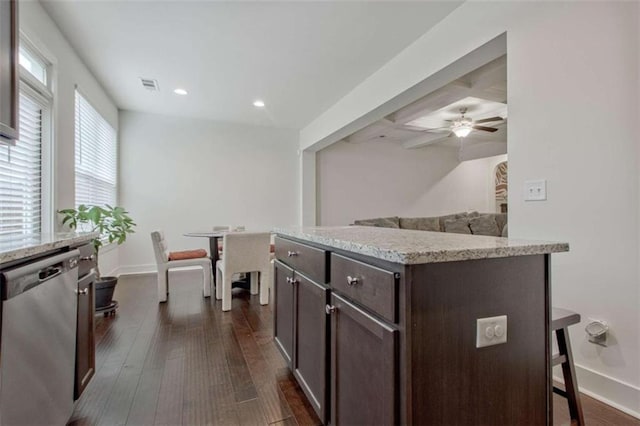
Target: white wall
{"x":573,"y":104}
{"x":69,"y":72}
{"x":183,"y":175}
{"x":377,"y":179}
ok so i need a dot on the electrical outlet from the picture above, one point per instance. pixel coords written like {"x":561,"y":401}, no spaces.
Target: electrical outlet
{"x":535,"y":190}
{"x":491,"y":331}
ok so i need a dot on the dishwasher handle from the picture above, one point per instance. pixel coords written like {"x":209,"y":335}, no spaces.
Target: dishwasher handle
{"x":48,"y":273}
{"x":43,"y":275}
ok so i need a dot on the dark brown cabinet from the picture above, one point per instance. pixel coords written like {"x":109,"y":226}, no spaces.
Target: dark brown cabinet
{"x":363,"y":367}
{"x":310,"y":342}
{"x":300,"y":332}
{"x":347,"y":370}
{"x":9,"y":37}
{"x":85,"y":324}
{"x":85,"y":339}
{"x":283,"y":314}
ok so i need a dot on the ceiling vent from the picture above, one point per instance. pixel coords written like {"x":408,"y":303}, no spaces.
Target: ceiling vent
{"x":150,"y":84}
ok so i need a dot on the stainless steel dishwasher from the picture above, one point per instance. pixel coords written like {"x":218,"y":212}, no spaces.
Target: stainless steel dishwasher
{"x":37,"y":344}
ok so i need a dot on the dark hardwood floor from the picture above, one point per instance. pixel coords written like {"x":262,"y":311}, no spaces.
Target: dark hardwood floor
{"x":185,"y":362}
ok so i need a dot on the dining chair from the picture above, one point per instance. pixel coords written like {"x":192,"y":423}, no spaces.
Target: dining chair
{"x":164,"y":265}
{"x":244,"y":252}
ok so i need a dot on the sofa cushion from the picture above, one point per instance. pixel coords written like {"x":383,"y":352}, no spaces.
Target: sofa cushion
{"x":382,"y":222}
{"x":443,"y":219}
{"x":501,"y":220}
{"x":457,"y":225}
{"x":420,"y":223}
{"x":484,"y":224}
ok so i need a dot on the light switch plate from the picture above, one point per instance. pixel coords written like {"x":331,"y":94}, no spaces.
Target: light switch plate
{"x":535,"y":190}
{"x":491,"y":331}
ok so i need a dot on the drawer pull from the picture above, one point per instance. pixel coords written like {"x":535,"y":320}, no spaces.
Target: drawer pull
{"x":89,"y":258}
{"x":352,"y":280}
{"x":292,"y":280}
{"x":329,"y":309}
{"x":292,"y":253}
{"x":83,"y":291}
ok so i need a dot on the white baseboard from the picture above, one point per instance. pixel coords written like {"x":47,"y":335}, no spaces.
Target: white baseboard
{"x":150,"y":268}
{"x":618,"y":394}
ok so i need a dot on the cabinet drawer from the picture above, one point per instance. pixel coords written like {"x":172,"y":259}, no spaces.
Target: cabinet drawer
{"x":367,"y":285}
{"x":310,"y":261}
{"x":87,"y":259}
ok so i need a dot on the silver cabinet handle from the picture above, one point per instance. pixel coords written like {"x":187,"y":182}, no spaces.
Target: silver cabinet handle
{"x":352,"y":280}
{"x":90,"y":258}
{"x":292,"y":280}
{"x":292,"y":253}
{"x":83,"y":291}
{"x":329,"y":309}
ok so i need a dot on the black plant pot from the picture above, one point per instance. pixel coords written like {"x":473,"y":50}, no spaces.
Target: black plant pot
{"x":105,"y":287}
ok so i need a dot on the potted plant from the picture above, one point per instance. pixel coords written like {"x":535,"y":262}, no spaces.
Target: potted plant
{"x":113,"y":224}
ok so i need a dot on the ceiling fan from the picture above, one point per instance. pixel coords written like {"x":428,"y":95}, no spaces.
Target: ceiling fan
{"x":462,"y":126}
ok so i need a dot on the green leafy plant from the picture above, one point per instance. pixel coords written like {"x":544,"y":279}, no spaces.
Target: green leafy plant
{"x":113,"y":223}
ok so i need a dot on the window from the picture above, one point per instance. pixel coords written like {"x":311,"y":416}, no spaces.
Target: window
{"x":96,"y":154}
{"x":33,"y":64}
{"x":25,"y":192}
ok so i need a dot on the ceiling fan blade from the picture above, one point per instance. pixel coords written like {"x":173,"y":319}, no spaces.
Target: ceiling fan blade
{"x":486,"y":129}
{"x":489,"y":120}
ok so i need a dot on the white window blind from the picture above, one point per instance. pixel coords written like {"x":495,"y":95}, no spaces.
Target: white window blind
{"x":96,"y":154}
{"x":21,"y":174}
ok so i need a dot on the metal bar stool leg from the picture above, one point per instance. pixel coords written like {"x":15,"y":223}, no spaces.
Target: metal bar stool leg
{"x":569,"y":374}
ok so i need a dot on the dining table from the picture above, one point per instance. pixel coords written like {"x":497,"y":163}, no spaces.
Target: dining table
{"x":214,"y":238}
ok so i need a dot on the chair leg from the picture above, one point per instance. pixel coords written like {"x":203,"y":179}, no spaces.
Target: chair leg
{"x":206,"y":281}
{"x":218,"y":284}
{"x":226,"y":291}
{"x":163,"y":286}
{"x":254,"y":283}
{"x":265,"y":286}
{"x":569,"y":375}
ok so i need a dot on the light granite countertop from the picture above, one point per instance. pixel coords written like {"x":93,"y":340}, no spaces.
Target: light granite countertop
{"x":415,"y":247}
{"x":22,"y":246}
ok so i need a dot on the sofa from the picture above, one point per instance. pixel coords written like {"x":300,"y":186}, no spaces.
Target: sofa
{"x":473,"y":223}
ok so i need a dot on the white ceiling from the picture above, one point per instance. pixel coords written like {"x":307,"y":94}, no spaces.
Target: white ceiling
{"x":299,"y":57}
{"x":483,"y":93}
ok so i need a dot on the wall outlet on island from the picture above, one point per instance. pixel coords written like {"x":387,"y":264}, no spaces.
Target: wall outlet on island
{"x":491,"y":331}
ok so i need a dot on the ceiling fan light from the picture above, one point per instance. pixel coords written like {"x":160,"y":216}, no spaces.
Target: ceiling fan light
{"x":462,"y":130}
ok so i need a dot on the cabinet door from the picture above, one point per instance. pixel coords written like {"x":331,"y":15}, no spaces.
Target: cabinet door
{"x":85,"y":338}
{"x":310,"y":356}
{"x":363,"y":367}
{"x":283,"y":326}
{"x":9,"y":70}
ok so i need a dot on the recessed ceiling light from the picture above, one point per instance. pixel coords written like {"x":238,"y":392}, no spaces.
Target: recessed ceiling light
{"x":180,"y":92}
{"x":258,"y":103}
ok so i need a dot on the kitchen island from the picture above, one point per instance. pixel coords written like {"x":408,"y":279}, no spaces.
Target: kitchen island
{"x":388,"y":326}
